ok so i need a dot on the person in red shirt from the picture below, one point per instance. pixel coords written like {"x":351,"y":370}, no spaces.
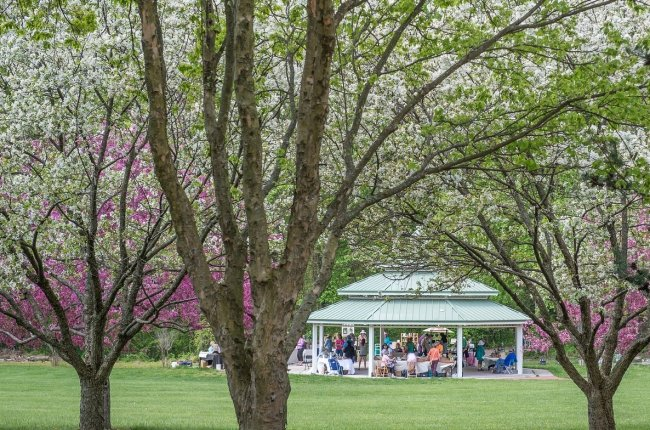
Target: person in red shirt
{"x":434,"y":358}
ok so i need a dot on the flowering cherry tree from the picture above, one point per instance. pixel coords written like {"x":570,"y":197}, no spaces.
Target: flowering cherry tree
{"x":86,"y":258}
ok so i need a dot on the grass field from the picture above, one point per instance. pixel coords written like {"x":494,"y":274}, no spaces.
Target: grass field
{"x":38,"y":397}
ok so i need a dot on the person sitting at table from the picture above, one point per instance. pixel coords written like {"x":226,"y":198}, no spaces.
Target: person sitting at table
{"x":495,"y":356}
{"x":389,"y":362}
{"x":434,"y":355}
{"x":385,"y":350}
{"x":398,"y":348}
{"x":411,"y":358}
{"x":213,"y":357}
{"x":511,"y":358}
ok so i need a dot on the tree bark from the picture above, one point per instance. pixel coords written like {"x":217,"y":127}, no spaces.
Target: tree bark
{"x":260,"y":397}
{"x":600,"y":409}
{"x":92,"y":414}
{"x":107,"y":405}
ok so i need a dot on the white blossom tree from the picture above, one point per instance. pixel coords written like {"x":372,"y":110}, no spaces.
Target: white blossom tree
{"x":560,"y":224}
{"x":86,"y":257}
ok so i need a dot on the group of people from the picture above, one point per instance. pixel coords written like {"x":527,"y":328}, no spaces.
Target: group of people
{"x":426,"y":342}
{"x":356,"y":349}
{"x":478,"y":353}
{"x":471,"y":353}
{"x":434,"y":353}
{"x":389,"y":355}
{"x":353,"y":348}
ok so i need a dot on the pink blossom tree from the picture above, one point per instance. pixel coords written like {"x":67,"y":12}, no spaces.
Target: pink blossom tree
{"x":635,"y":304}
{"x":86,"y":255}
{"x":86,"y":245}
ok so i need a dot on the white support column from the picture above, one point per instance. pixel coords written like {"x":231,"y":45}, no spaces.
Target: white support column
{"x":371,"y":350}
{"x":519,"y":335}
{"x":314,"y":356}
{"x":320,"y":338}
{"x":459,"y":351}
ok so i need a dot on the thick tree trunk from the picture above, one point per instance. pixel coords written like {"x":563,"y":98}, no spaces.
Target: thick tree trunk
{"x":107,"y":405}
{"x":263,"y":404}
{"x":94,"y":394}
{"x":601,"y":409}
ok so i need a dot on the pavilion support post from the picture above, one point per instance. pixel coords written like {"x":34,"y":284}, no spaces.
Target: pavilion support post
{"x":459,"y":351}
{"x":314,"y":354}
{"x":371,"y":350}
{"x":321,"y":335}
{"x":519,"y":336}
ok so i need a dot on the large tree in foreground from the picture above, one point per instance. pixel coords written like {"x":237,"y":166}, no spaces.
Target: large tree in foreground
{"x":337,"y":111}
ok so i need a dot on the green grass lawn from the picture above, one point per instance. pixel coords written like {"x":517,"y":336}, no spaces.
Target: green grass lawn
{"x":41,"y":397}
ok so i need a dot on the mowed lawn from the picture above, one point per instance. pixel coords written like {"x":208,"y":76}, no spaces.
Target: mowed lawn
{"x":41,"y":397}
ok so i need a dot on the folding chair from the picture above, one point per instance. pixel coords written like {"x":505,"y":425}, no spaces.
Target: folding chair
{"x":499,"y":366}
{"x":335,"y":367}
{"x":509,"y":363}
{"x":382,"y":370}
{"x":307,"y":359}
{"x":412,"y":369}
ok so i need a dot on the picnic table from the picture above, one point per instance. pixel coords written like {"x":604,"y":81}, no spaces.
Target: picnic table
{"x":490,"y":360}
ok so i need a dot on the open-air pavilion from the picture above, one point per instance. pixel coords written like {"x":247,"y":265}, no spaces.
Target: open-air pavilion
{"x":417,"y":300}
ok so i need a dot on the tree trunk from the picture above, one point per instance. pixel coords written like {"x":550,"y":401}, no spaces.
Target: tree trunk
{"x":107,"y":405}
{"x":601,"y":409}
{"x":262,"y":403}
{"x":94,"y":398}
{"x":54,"y":357}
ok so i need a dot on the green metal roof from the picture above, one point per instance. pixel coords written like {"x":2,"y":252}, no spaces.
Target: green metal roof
{"x":418,"y":312}
{"x":420,"y":283}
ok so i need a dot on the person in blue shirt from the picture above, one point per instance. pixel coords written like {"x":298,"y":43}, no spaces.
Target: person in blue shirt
{"x":387,"y":340}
